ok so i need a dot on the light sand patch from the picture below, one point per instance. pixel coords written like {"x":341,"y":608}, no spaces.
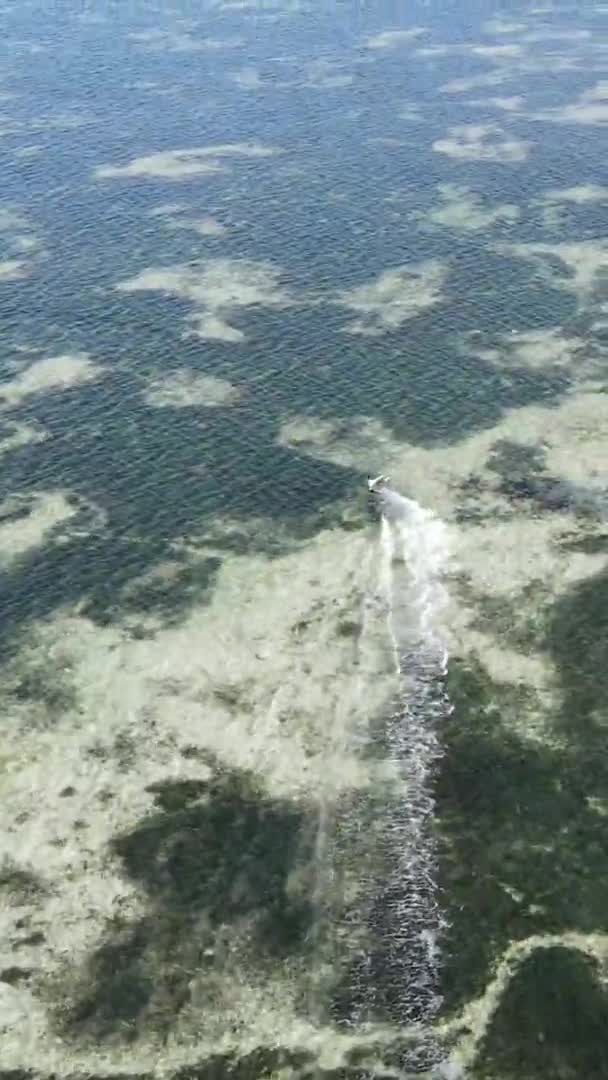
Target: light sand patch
{"x":50,"y":373}
{"x":180,"y":164}
{"x":583,"y":265}
{"x":432,"y":52}
{"x":538,"y":350}
{"x":209,"y":327}
{"x":551,"y":62}
{"x":13,"y":270}
{"x":168,"y":41}
{"x":318,"y":74}
{"x":500,"y":25}
{"x":392,"y":39}
{"x":156,"y":89}
{"x":411,"y":112}
{"x":27,"y":152}
{"x":22,"y":534}
{"x":329,"y":441}
{"x":326,"y":75}
{"x":394,"y":297}
{"x":206,"y":226}
{"x":248,"y":78}
{"x":223,"y":43}
{"x":535,"y":36}
{"x":264,"y":10}
{"x":216,"y":287}
{"x":482,"y":142}
{"x":505,"y":553}
{"x":477,"y":1015}
{"x":9,"y":126}
{"x":13,"y":435}
{"x":434,"y":476}
{"x":462,"y":210}
{"x":11,"y":220}
{"x":511,"y":62}
{"x":175,"y":218}
{"x":579,"y":195}
{"x":62,"y":121}
{"x":17,"y":240}
{"x":271,"y":676}
{"x":185,"y":389}
{"x":529,"y":555}
{"x":579,"y":454}
{"x":168,"y":209}
{"x":590,"y":109}
{"x":261,"y":676}
{"x":506,"y":104}
{"x":556,"y":205}
{"x":600,"y":323}
{"x":30,"y":48}
{"x":510,"y":666}
{"x":497,"y":53}
{"x":473,"y":82}
{"x":26,"y":244}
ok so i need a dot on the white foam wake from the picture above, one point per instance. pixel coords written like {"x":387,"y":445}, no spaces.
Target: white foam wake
{"x":414,"y":558}
{"x":406,"y":921}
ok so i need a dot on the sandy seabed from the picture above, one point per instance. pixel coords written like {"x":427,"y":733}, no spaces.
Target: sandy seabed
{"x":258,"y":706}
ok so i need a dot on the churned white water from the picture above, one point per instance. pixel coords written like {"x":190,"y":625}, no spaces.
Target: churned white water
{"x":401,"y":979}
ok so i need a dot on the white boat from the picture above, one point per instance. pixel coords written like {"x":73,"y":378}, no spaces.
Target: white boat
{"x":375,"y":484}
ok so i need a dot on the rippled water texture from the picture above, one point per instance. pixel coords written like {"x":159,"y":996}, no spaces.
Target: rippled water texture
{"x":299,"y":780}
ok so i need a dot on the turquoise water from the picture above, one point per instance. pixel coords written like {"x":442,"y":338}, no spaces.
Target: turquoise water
{"x":250,"y":252}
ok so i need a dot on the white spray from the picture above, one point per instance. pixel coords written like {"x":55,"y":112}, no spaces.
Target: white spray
{"x":406,"y":922}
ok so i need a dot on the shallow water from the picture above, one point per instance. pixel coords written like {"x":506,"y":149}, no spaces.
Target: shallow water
{"x":295,"y":780}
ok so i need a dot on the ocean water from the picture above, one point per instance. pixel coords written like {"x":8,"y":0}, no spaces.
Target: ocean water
{"x":297,"y":780}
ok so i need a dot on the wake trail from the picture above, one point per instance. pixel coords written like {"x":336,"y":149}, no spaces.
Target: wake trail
{"x":398,"y":978}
